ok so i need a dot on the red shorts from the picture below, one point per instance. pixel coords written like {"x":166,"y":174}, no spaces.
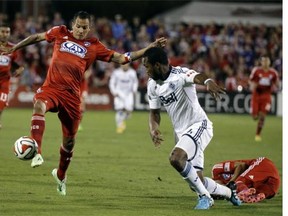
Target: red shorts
{"x":66,"y":103}
{"x":263,"y":176}
{"x":260,"y":103}
{"x":4,"y":91}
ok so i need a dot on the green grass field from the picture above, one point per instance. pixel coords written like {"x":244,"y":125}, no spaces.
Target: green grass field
{"x":124,"y":175}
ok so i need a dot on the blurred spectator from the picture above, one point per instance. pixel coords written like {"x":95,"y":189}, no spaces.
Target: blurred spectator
{"x":135,"y":26}
{"x":118,"y":27}
{"x":227,"y":52}
{"x":57,"y":19}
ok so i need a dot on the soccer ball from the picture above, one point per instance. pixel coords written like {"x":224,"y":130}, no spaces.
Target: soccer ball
{"x":25,"y":148}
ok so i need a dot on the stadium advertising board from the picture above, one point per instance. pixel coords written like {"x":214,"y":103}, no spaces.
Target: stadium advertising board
{"x":232,"y":102}
{"x":101,"y":99}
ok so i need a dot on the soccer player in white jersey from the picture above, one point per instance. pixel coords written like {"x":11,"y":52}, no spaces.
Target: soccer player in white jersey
{"x":174,"y":88}
{"x":123,"y":85}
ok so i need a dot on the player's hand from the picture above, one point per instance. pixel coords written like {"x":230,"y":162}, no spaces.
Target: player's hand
{"x":18,"y":71}
{"x":156,"y":137}
{"x":159,"y":42}
{"x":215,"y":90}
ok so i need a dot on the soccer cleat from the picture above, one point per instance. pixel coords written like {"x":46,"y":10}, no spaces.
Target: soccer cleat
{"x":258,"y":138}
{"x":121,"y":128}
{"x":246,"y":193}
{"x":250,"y":196}
{"x":204,"y":202}
{"x":234,"y":199}
{"x":61,"y":185}
{"x":255,"y":198}
{"x":37,"y":161}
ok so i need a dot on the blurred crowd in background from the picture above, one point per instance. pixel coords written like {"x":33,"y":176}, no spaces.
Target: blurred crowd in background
{"x":225,"y":52}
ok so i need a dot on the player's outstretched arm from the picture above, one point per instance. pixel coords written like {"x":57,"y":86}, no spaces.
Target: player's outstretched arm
{"x":132,"y":56}
{"x":154,"y":122}
{"x":214,"y":89}
{"x":17,"y":72}
{"x":32,"y":39}
{"x":239,"y":168}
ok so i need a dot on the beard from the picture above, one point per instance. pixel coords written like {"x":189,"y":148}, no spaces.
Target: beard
{"x":156,"y":76}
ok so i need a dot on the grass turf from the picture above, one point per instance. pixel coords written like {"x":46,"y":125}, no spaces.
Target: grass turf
{"x":124,"y":175}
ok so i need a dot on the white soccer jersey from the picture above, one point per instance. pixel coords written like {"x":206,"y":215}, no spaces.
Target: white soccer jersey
{"x":178,"y":95}
{"x":123,"y":84}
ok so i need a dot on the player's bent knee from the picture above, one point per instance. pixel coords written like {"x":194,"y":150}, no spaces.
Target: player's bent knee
{"x":68,"y":143}
{"x":178,"y":159}
{"x":39,"y":107}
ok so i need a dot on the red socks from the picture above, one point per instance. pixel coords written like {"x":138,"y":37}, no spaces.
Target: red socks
{"x":260,"y":125}
{"x":37,"y":129}
{"x":65,"y":158}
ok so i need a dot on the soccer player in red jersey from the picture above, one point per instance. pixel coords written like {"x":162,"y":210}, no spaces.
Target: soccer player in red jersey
{"x":256,"y":179}
{"x":74,"y":51}
{"x":8,"y":67}
{"x":262,"y":79}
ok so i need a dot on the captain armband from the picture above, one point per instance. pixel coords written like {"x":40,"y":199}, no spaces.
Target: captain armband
{"x":128,"y":57}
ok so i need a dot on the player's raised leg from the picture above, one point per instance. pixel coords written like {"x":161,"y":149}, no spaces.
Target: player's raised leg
{"x":37,"y":130}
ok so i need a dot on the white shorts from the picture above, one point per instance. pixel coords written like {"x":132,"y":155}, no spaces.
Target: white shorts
{"x":126,"y":102}
{"x":194,"y":141}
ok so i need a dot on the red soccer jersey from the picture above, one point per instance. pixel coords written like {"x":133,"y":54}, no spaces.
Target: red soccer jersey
{"x":6,"y":63}
{"x":71,"y":58}
{"x":264,"y":79}
{"x":224,"y":171}
{"x":261,"y":174}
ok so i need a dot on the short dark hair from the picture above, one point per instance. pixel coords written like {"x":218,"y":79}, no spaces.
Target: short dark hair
{"x":4,"y":24}
{"x":156,"y":54}
{"x":82,"y":15}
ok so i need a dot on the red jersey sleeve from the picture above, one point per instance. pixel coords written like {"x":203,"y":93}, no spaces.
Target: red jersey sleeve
{"x":103,"y":53}
{"x":223,"y":171}
{"x":275,"y":75}
{"x":52,"y":33}
{"x":253,"y":75}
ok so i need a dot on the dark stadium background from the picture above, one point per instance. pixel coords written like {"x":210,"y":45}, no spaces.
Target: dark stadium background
{"x":144,"y":9}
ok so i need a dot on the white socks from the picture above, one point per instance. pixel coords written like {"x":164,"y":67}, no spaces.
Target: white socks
{"x":190,"y":176}
{"x":120,"y":117}
{"x":216,"y":189}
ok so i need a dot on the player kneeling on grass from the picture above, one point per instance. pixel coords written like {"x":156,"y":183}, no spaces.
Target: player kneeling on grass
{"x":174,"y":87}
{"x":256,"y":179}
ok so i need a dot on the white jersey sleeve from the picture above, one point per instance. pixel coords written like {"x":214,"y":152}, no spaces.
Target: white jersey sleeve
{"x":188,"y":76}
{"x":154,"y":101}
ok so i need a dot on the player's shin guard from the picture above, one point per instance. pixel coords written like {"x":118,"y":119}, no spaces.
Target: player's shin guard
{"x":65,"y":158}
{"x":190,"y":176}
{"x":37,"y":129}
